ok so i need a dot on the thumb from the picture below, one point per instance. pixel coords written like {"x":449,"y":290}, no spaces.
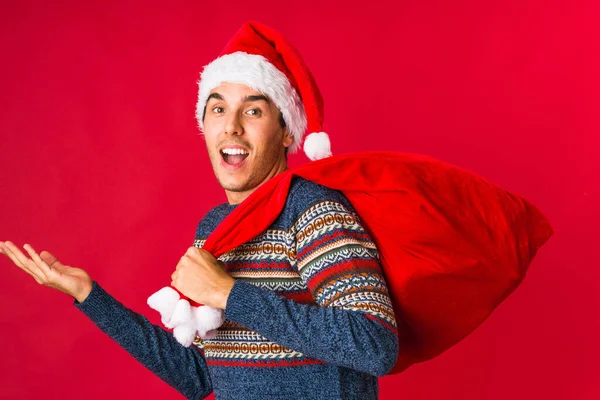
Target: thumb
{"x":51,"y":260}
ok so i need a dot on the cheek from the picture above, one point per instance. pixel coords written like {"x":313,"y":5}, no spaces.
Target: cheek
{"x":212,"y":127}
{"x":210,"y":137}
{"x":265,"y":137}
{"x":210,"y":142}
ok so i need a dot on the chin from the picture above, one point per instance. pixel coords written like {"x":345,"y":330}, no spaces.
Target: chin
{"x":234,"y":185}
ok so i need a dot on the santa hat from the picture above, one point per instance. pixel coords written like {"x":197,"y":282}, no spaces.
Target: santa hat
{"x":261,"y":58}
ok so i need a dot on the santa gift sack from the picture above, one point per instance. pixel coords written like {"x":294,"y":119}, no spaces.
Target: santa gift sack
{"x":452,"y":245}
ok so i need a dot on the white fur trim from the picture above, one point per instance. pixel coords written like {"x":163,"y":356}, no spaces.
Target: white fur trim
{"x":206,"y":319}
{"x":317,"y":146}
{"x":164,"y":301}
{"x":258,"y":73}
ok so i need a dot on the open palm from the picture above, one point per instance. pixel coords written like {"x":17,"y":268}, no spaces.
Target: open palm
{"x":47,"y":270}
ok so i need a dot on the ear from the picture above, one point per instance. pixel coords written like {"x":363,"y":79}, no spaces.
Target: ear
{"x":287,"y":138}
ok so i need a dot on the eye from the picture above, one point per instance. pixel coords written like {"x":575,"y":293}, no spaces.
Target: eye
{"x":254,"y":112}
{"x":218,"y":110}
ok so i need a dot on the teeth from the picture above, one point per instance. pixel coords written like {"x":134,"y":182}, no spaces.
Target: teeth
{"x":234,"y":151}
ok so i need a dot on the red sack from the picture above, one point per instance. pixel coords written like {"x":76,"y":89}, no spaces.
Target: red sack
{"x":452,"y":245}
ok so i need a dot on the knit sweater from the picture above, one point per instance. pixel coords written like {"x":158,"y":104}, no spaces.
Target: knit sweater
{"x":309,"y":316}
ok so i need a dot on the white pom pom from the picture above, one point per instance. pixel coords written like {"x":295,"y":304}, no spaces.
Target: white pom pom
{"x":207,"y":319}
{"x":317,"y":146}
{"x":182,"y":314}
{"x":164,"y":301}
{"x":185,"y":334}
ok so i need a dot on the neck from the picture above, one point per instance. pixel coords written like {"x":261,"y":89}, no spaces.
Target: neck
{"x":238,"y":197}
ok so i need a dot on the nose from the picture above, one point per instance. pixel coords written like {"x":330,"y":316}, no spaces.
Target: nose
{"x":233,"y":124}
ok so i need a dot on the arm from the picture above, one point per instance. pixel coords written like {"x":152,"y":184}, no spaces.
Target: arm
{"x":353,"y":324}
{"x":182,"y":368}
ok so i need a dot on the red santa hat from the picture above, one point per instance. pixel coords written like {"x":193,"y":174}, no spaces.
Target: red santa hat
{"x":264,"y":60}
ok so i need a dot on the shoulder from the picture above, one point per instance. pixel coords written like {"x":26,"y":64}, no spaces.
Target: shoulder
{"x":309,"y":200}
{"x":304,"y":192}
{"x":212,"y":219}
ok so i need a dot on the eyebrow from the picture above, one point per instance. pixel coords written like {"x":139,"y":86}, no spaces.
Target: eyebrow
{"x":215,"y":96}
{"x":256,"y":98}
{"x":247,"y":99}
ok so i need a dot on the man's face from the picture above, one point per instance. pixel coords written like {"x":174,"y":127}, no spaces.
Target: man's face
{"x":244,"y":138}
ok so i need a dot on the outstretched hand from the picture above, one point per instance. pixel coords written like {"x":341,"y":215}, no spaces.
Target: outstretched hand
{"x":47,"y":270}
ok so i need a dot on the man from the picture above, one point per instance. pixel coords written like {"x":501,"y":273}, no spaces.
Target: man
{"x":307,"y":311}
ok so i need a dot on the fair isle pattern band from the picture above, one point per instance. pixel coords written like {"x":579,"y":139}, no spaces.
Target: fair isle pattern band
{"x":340,"y":262}
{"x":236,"y":345}
{"x":216,"y":348}
{"x":258,"y":73}
{"x":265,"y":262}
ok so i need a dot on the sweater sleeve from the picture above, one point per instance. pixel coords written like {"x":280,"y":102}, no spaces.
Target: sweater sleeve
{"x":182,"y":368}
{"x":353,"y":323}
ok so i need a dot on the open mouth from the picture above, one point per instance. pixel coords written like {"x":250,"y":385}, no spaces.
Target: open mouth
{"x":234,"y":156}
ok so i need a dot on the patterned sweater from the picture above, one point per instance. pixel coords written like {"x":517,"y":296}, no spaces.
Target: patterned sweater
{"x":309,"y":316}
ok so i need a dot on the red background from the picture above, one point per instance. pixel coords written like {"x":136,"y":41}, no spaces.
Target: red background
{"x":101,"y":165}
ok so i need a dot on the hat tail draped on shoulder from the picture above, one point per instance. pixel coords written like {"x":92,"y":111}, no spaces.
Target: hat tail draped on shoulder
{"x":261,"y":58}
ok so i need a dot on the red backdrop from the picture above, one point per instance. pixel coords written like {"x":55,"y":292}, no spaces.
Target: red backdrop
{"x":101,"y":165}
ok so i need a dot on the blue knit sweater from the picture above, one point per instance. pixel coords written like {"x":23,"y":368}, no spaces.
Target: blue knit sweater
{"x":309,"y":316}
